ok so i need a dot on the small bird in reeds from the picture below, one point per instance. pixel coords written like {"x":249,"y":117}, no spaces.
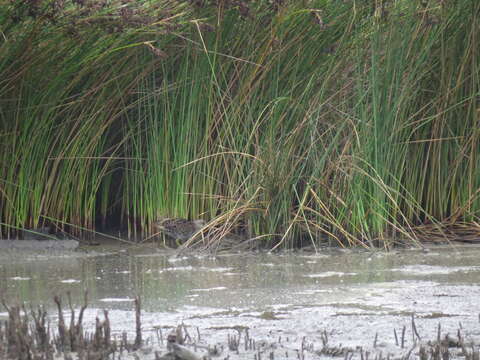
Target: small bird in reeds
{"x":178,"y":228}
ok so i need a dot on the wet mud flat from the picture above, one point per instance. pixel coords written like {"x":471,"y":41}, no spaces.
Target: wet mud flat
{"x":38,"y":245}
{"x":338,"y":304}
{"x":34,"y":335}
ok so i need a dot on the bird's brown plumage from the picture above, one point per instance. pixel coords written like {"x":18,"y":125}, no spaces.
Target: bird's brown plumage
{"x":179,"y":229}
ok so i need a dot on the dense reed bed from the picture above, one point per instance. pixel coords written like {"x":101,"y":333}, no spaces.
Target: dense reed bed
{"x":293,"y":121}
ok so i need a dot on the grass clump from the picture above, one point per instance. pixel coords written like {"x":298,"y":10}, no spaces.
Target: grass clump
{"x":293,"y":121}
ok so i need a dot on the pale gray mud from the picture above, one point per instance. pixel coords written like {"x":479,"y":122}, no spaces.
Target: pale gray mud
{"x":287,"y":300}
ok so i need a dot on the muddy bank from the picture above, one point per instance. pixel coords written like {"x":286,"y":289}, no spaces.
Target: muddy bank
{"x":30,"y":335}
{"x":38,"y":245}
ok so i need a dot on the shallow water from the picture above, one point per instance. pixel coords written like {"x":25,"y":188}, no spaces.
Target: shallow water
{"x":351,"y":295}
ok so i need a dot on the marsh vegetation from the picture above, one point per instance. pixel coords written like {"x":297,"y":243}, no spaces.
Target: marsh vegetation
{"x":291,"y":122}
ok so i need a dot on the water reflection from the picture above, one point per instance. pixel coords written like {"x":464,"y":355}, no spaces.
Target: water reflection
{"x":165,"y":282}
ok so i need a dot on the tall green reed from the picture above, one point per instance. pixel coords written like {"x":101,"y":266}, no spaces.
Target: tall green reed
{"x":333,"y":121}
{"x":66,"y":85}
